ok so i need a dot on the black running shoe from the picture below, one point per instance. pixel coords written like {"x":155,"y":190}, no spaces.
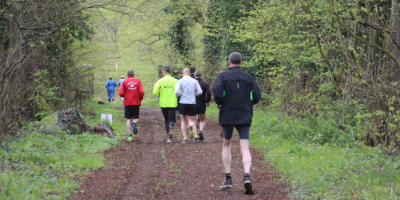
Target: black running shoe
{"x":248,"y":186}
{"x":226,"y":184}
{"x":201,"y":135}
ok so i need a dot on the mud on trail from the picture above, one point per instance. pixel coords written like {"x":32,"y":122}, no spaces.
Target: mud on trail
{"x":150,"y":168}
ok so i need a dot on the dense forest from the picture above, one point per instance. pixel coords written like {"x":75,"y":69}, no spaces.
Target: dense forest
{"x":336,"y":60}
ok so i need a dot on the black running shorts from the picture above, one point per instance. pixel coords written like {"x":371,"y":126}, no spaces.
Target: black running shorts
{"x":187,"y":109}
{"x":132,"y":112}
{"x":243,"y":129}
{"x":200,"y":109}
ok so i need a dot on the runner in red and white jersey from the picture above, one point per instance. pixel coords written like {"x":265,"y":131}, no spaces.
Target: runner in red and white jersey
{"x":132,"y":90}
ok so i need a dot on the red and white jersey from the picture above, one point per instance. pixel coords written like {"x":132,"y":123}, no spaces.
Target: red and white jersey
{"x":132,"y":90}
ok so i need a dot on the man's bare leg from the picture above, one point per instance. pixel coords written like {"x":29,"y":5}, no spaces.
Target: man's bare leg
{"x":244,"y":147}
{"x":129,"y":126}
{"x":202,"y":121}
{"x":183,"y":126}
{"x":226,"y":155}
{"x":192,"y":122}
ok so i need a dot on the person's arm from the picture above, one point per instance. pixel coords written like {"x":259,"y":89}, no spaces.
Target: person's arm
{"x":121,"y":91}
{"x":178,"y":88}
{"x":198,"y":90}
{"x":156,"y":89}
{"x":107,"y":84}
{"x":218,"y":89}
{"x":208,"y":92}
{"x":141,"y":91}
{"x":256,"y":94}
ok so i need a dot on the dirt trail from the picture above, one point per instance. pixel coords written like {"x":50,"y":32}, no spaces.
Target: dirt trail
{"x":151,"y":168}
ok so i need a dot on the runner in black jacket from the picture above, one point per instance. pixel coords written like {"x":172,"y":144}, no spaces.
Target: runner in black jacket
{"x":202,"y":101}
{"x":236,"y":92}
{"x":178,"y":116}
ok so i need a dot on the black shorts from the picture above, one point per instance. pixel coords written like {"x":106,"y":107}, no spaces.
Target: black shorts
{"x":200,"y":109}
{"x":243,"y":129}
{"x":187,"y":109}
{"x":132,"y":112}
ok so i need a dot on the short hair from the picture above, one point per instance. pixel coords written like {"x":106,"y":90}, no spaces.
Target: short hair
{"x":186,"y":71}
{"x":110,"y":77}
{"x":130,"y":72}
{"x":122,"y":76}
{"x":235,"y":57}
{"x":166,"y":69}
{"x":175,"y":73}
{"x":192,"y":69}
{"x":198,"y":73}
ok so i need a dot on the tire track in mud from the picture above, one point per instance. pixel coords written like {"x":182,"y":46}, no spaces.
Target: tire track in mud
{"x":150,"y":168}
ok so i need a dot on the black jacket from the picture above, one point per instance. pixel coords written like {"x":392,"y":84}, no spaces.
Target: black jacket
{"x":179,"y":98}
{"x":237,"y":92}
{"x":205,"y":97}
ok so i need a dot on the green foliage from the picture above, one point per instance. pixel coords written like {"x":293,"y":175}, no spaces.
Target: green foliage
{"x":88,"y":162}
{"x":315,"y":62}
{"x":44,"y":94}
{"x":184,"y":16}
{"x":330,"y":170}
{"x":3,"y":21}
{"x":38,"y":164}
{"x":49,"y":166}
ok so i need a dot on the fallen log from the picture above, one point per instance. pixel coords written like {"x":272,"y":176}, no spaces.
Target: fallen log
{"x":103,"y":128}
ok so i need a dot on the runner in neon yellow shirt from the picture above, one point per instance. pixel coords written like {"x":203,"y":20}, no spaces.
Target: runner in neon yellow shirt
{"x":168,"y":100}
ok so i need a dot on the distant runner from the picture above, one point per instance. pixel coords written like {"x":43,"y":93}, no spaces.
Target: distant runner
{"x":236,"y":92}
{"x":119,"y":83}
{"x":202,"y":101}
{"x":188,"y":89}
{"x":132,"y":90}
{"x":176,"y":76}
{"x":110,"y":85}
{"x":168,"y":101}
{"x":192,"y":70}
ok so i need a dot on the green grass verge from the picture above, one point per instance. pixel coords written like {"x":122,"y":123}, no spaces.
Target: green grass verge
{"x":39,"y":166}
{"x":150,"y":103}
{"x":327,"y":171}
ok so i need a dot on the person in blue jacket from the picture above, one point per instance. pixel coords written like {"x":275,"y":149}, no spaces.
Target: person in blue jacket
{"x":120,"y":83}
{"x":110,"y":85}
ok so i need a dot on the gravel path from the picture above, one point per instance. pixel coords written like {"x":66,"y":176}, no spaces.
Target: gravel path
{"x":150,"y":168}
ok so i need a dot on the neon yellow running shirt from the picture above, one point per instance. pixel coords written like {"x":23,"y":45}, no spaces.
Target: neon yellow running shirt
{"x":165,"y":89}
